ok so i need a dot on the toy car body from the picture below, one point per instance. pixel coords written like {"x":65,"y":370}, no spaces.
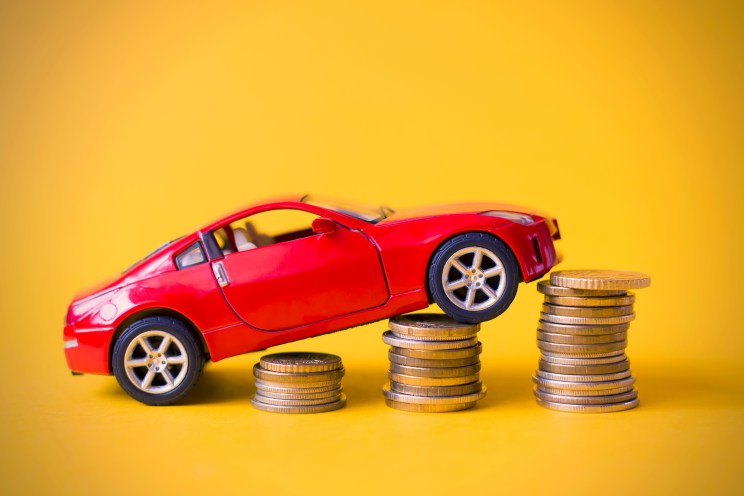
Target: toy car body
{"x":224,"y":290}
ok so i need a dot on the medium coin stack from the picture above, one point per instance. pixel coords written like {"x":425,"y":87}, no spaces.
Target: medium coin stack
{"x":434,"y":364}
{"x":582,"y":336}
{"x":299,"y":383}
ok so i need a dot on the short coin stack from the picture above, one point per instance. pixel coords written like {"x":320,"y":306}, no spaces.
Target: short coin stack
{"x":299,"y":383}
{"x":434,"y":364}
{"x":582,"y":336}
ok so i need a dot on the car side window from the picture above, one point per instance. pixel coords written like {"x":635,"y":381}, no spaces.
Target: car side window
{"x":193,"y":255}
{"x":268,"y":228}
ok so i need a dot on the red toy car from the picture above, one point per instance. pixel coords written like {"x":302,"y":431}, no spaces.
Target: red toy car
{"x":290,"y":269}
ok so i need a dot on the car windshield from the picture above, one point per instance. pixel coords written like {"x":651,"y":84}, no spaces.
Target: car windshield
{"x":366,"y":213}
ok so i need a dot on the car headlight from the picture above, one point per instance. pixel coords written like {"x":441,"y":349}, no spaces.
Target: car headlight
{"x":523,"y":219}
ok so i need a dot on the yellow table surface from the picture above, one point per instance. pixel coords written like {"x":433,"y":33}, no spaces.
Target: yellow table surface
{"x":122,"y":126}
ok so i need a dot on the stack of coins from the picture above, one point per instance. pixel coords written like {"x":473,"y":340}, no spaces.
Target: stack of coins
{"x":299,"y":383}
{"x":582,"y":336}
{"x":434,"y":364}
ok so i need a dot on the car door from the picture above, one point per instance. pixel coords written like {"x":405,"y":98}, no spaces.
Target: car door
{"x":303,"y":281}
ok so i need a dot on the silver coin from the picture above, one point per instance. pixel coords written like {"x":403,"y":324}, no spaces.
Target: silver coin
{"x":608,"y":368}
{"x":435,"y":372}
{"x":582,"y":356}
{"x":581,"y":386}
{"x":587,"y":400}
{"x":326,"y":407}
{"x":586,"y":392}
{"x":297,"y":387}
{"x":591,"y":301}
{"x":304,"y":377}
{"x":582,"y":330}
{"x":389,"y":338}
{"x":432,"y":400}
{"x":591,"y":312}
{"x":412,"y":380}
{"x":561,"y":360}
{"x":420,"y":362}
{"x":300,"y":362}
{"x":414,"y":407}
{"x":615,"y":407}
{"x":268,"y":400}
{"x":546,"y":288}
{"x":468,"y":352}
{"x":473,"y":387}
{"x":299,"y":395}
{"x":552,"y":376}
{"x":562,"y":319}
{"x":582,"y":348}
{"x":431,"y":327}
{"x":550,"y":337}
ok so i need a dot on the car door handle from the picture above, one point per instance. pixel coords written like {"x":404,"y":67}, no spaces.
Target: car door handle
{"x":220,"y":274}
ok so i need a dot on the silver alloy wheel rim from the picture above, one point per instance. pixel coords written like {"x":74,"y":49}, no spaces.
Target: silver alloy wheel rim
{"x":156,"y":362}
{"x":477,"y":287}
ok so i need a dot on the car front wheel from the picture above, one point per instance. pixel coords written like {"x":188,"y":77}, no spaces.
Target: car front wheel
{"x":157,"y":361}
{"x":473,"y":277}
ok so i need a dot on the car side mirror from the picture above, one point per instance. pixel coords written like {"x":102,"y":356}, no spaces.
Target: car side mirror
{"x":322,"y":225}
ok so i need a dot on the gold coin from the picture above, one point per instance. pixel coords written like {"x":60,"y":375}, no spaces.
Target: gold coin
{"x":305,"y":377}
{"x":560,"y":360}
{"x":589,"y":301}
{"x":614,"y":407}
{"x":431,"y":327}
{"x":600,"y":279}
{"x":389,"y":338}
{"x":563,"y":319}
{"x":435,"y":372}
{"x":552,"y":376}
{"x":414,"y":407}
{"x":581,"y":386}
{"x":326,"y":407}
{"x":299,"y":395}
{"x":586,"y":400}
{"x":297,"y":387}
{"x":432,"y":400}
{"x":470,"y":351}
{"x":301,"y":362}
{"x":587,"y":311}
{"x":568,"y":339}
{"x":582,"y":348}
{"x":473,"y":387}
{"x":608,"y":368}
{"x":413,"y":380}
{"x":420,"y":362}
{"x":548,"y":289}
{"x":582,"y":330}
{"x":268,"y":400}
{"x":586,"y":392}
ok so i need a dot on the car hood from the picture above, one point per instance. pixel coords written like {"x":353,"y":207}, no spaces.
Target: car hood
{"x":457,"y":208}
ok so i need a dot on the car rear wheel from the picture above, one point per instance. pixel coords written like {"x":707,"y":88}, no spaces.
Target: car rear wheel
{"x":473,"y":277}
{"x":157,"y":361}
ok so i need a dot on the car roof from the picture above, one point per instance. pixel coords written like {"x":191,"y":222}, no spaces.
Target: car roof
{"x":284,"y":200}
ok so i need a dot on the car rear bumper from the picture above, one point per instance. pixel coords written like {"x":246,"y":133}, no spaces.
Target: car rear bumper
{"x":86,"y":350}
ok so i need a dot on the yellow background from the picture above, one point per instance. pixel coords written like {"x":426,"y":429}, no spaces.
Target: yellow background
{"x":122,"y":126}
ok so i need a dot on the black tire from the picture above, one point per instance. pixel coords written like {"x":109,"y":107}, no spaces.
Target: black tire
{"x":485,"y":306}
{"x":153,"y":333}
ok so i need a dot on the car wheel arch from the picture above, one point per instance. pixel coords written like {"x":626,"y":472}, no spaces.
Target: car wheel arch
{"x":443,"y":241}
{"x":153,"y":312}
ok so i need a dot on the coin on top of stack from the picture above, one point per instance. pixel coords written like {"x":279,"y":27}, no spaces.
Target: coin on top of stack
{"x":299,"y":382}
{"x":434,"y":364}
{"x":582,"y":336}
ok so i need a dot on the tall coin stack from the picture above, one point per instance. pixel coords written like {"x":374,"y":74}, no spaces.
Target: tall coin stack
{"x":434,"y":364}
{"x":299,"y":383}
{"x":582,"y":336}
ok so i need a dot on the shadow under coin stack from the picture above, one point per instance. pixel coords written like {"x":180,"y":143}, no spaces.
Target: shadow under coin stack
{"x":582,"y":336}
{"x":434,"y":364}
{"x":299,"y":383}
